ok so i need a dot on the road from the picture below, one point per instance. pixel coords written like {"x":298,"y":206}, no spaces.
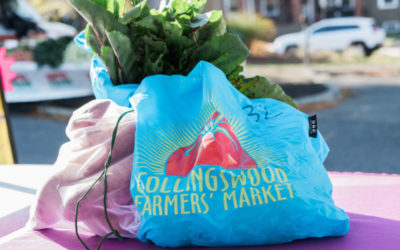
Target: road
{"x":363,"y":132}
{"x":37,"y":140}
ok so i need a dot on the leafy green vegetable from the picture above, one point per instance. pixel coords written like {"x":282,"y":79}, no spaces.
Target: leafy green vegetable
{"x":135,"y":41}
{"x":51,"y":52}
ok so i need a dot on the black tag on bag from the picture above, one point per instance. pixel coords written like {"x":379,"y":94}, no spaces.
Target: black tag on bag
{"x":313,"y":126}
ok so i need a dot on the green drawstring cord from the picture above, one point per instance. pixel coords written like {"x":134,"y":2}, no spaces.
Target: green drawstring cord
{"x":104,"y":173}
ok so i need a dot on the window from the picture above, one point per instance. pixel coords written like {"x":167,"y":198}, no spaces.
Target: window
{"x":336,"y":28}
{"x":270,"y":8}
{"x":233,"y":5}
{"x":388,"y":4}
{"x":346,"y":3}
{"x":250,"y":6}
{"x":392,"y":26}
{"x":336,"y":3}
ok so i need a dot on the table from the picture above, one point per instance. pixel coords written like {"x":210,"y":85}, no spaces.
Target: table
{"x":371,"y":200}
{"x":18,"y":184}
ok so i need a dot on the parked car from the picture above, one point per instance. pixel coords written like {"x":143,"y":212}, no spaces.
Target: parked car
{"x":19,"y":19}
{"x":335,"y":34}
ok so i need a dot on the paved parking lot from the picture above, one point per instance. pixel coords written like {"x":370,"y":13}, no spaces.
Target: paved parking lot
{"x":363,"y":132}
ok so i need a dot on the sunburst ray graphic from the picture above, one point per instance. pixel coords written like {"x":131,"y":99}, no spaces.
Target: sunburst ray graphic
{"x":189,"y":137}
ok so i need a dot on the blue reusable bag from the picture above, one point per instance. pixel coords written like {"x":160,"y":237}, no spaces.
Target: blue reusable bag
{"x":214,"y":168}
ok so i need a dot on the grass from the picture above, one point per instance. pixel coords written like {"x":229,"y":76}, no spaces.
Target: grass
{"x":393,"y":36}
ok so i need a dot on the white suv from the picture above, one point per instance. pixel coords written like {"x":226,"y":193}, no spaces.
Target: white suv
{"x":334,"y":34}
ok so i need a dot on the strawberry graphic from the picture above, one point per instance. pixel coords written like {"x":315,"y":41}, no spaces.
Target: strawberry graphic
{"x":217,"y":144}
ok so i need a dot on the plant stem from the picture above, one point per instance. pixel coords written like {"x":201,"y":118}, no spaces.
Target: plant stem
{"x":118,"y":59}
{"x":97,"y":35}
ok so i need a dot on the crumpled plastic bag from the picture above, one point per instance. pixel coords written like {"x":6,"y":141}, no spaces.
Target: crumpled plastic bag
{"x":79,"y":164}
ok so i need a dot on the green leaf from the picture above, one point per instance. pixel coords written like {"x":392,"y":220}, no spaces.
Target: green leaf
{"x":172,"y":29}
{"x":215,"y":26}
{"x":116,"y":7}
{"x":157,"y":47}
{"x":148,"y":23}
{"x":260,"y":87}
{"x":225,"y":52}
{"x":101,"y":3}
{"x":191,"y":7}
{"x":200,"y":20}
{"x":108,"y":58}
{"x":135,"y":12}
{"x":123,"y":52}
{"x":92,"y":40}
{"x":99,"y":18}
{"x":179,"y":6}
{"x":198,"y":5}
{"x":153,"y":67}
{"x":236,"y":73}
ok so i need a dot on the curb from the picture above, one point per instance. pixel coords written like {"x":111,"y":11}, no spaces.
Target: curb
{"x":332,"y":93}
{"x":55,"y":110}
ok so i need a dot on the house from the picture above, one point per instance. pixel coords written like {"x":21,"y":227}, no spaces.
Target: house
{"x":289,"y":12}
{"x":386,"y":12}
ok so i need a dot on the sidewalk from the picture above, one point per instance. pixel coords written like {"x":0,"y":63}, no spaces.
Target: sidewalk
{"x":317,"y":73}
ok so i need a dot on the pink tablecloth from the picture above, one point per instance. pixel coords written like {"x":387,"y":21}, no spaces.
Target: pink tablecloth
{"x":371,"y":200}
